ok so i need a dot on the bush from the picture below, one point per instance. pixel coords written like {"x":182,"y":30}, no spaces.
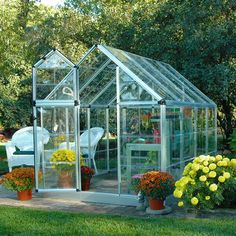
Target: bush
{"x":207,"y":182}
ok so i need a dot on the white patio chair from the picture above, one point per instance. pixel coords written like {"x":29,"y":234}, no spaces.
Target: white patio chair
{"x":96,"y":134}
{"x":20,"y":150}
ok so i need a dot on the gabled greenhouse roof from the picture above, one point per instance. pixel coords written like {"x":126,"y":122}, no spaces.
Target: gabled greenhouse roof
{"x":142,"y":80}
{"x":54,"y":59}
{"x":158,"y":79}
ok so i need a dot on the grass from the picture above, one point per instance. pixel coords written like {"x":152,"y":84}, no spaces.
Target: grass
{"x":21,"y":221}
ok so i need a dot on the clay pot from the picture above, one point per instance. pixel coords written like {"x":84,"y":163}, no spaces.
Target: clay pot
{"x":24,"y":195}
{"x":156,"y":204}
{"x":86,"y":184}
{"x":65,"y":180}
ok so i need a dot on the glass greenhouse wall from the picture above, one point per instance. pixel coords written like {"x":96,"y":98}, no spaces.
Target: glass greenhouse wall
{"x":153,"y":119}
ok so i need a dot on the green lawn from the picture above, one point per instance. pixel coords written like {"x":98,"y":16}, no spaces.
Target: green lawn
{"x":21,"y":221}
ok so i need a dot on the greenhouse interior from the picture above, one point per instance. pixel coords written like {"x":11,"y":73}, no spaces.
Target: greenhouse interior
{"x":147,"y":117}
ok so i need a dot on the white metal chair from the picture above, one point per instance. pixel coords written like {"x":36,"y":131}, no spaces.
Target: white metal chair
{"x":96,"y":134}
{"x":20,"y":150}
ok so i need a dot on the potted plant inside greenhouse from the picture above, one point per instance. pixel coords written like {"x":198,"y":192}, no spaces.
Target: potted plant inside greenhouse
{"x":63,"y":161}
{"x":20,"y":180}
{"x":86,"y":175}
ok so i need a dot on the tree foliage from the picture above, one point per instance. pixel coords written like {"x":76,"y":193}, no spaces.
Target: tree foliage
{"x":197,"y":37}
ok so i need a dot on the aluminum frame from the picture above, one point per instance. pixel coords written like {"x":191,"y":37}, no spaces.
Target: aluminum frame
{"x":120,"y":67}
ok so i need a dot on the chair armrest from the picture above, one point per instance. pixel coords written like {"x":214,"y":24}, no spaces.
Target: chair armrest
{"x":23,"y":152}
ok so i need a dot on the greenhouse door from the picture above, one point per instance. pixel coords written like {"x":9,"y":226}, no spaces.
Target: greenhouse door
{"x":100,"y":126}
{"x":56,"y":161}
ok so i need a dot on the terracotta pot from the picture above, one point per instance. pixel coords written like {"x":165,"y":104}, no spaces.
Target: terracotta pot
{"x":156,"y":204}
{"x":24,"y":195}
{"x":86,"y":184}
{"x":65,"y":180}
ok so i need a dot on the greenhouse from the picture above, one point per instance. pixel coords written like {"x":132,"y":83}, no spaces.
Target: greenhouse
{"x":122,"y":114}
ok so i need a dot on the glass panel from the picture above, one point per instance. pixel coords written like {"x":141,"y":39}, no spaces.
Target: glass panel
{"x":49,"y":75}
{"x":212,"y":145}
{"x":211,"y":142}
{"x":55,"y":61}
{"x":185,"y":93}
{"x":95,"y":63}
{"x":190,"y":86}
{"x":97,"y":87}
{"x":108,"y":96}
{"x":106,"y":150}
{"x":58,"y":171}
{"x":131,"y":90}
{"x":180,"y":138}
{"x":65,"y":90}
{"x":201,"y":131}
{"x":139,"y":71}
{"x":161,"y":77}
{"x":211,"y":118}
{"x":140,"y":143}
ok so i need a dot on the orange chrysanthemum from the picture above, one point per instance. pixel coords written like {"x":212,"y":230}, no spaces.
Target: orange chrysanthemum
{"x":19,"y":179}
{"x":157,"y":184}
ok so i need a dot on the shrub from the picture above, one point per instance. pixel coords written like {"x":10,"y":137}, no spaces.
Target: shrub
{"x":206,"y":182}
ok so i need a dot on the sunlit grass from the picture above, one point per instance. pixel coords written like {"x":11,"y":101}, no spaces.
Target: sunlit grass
{"x":20,"y":221}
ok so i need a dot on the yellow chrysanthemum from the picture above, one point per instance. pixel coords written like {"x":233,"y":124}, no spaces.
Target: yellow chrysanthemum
{"x":194,"y":201}
{"x":224,"y":163}
{"x":202,"y":178}
{"x":205,"y":163}
{"x":226,"y":175}
{"x":218,"y":158}
{"x":221,"y":179}
{"x":219,"y":163}
{"x":212,"y":174}
{"x":180,"y":204}
{"x":226,"y":159}
{"x":178,"y":193}
{"x":207,"y":198}
{"x":196,"y":160}
{"x":184,"y":180}
{"x":192,"y":173}
{"x":195,"y":167}
{"x":212,"y":159}
{"x":205,"y":169}
{"x":212,"y":166}
{"x":202,"y":158}
{"x":233,"y":162}
{"x":213,"y":187}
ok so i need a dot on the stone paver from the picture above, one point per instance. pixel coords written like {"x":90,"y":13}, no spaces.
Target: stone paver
{"x":41,"y":201}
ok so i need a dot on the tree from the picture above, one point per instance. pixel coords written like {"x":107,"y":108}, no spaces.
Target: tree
{"x":196,"y":37}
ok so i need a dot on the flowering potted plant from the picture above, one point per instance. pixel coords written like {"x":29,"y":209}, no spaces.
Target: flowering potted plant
{"x":207,"y":182}
{"x":157,"y":185}
{"x":64,"y":161}
{"x":86,"y":175}
{"x":20,"y":180}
